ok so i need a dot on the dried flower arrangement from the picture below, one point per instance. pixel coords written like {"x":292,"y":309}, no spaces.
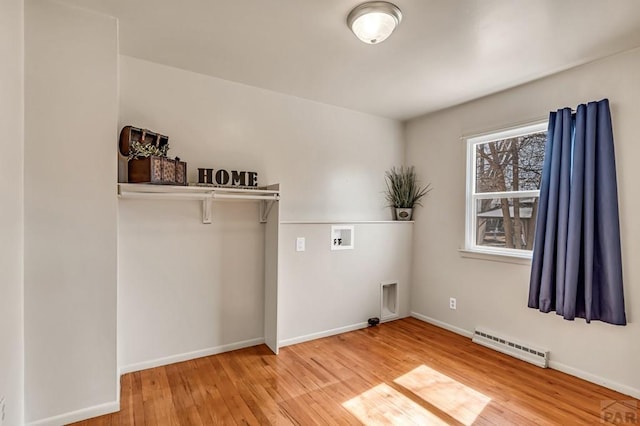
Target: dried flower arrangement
{"x":140,"y":150}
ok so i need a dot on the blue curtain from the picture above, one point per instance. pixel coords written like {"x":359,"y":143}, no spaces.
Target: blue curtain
{"x":577,"y":268}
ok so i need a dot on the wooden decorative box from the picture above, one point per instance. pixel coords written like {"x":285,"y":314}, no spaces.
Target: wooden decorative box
{"x":158,"y":170}
{"x":153,"y":169}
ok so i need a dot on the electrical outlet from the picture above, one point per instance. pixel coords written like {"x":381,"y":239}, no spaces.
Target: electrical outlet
{"x":452,"y":303}
{"x":300,"y":244}
{"x":2,"y":410}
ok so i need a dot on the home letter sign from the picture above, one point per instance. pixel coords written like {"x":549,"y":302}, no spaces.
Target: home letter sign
{"x":224,"y":178}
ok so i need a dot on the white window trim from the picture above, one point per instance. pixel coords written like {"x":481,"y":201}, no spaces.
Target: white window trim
{"x":470,"y":245}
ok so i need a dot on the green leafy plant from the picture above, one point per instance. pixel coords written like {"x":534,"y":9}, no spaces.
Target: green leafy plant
{"x":141,"y":150}
{"x":403,"y":190}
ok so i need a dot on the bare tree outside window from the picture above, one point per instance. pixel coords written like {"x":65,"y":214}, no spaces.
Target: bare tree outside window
{"x":505,"y":191}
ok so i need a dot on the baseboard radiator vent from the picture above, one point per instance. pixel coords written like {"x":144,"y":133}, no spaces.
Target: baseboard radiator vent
{"x":536,"y":356}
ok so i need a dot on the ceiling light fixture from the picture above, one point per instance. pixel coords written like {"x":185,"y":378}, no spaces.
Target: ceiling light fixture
{"x":374,"y":21}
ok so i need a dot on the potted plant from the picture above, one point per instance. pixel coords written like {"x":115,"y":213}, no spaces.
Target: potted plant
{"x":403,"y":191}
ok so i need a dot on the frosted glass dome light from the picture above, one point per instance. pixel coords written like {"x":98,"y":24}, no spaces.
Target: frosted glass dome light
{"x":373,"y":22}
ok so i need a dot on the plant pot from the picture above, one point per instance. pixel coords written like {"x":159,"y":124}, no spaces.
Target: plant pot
{"x":404,"y":214}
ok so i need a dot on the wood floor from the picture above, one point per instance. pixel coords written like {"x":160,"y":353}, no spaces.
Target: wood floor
{"x":403,"y":372}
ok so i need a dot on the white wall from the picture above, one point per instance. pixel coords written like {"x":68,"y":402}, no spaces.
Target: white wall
{"x":188,"y":289}
{"x":185,"y":287}
{"x":494,"y":295}
{"x":324,"y":291}
{"x":329,"y":161}
{"x":70,"y":212}
{"x":11,"y":221}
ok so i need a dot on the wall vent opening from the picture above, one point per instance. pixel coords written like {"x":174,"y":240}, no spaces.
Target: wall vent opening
{"x":389,"y":301}
{"x":536,"y":356}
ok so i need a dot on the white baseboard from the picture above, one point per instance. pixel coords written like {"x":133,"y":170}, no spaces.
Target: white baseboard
{"x":76,"y":416}
{"x":618,"y":387}
{"x":318,"y":335}
{"x":444,"y":325}
{"x":158,"y":362}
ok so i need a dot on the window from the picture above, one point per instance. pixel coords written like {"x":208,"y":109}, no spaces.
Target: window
{"x":503,"y":189}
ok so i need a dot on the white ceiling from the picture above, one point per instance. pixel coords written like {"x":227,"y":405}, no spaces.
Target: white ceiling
{"x":444,"y":52}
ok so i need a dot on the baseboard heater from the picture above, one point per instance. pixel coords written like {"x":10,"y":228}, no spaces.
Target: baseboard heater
{"x":536,"y":356}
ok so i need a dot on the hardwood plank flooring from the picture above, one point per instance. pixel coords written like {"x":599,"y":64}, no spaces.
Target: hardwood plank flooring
{"x":403,"y":372}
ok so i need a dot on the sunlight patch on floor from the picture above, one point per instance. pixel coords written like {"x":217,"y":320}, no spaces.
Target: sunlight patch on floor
{"x":383,"y":405}
{"x":452,"y":397}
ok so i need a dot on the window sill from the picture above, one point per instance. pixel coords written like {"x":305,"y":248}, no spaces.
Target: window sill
{"x":495,"y":257}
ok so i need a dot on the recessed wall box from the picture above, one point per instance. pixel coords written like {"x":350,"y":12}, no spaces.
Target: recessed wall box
{"x":342,"y":237}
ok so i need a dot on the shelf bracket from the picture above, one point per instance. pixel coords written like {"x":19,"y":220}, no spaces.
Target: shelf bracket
{"x":206,"y":210}
{"x":265,"y":209}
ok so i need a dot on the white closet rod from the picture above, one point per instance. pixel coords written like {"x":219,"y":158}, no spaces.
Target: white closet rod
{"x":273,"y":197}
{"x":155,"y":195}
{"x":200,"y":196}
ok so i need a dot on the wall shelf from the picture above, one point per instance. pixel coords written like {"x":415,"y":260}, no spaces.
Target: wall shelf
{"x":207,"y":194}
{"x":355,"y":222}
